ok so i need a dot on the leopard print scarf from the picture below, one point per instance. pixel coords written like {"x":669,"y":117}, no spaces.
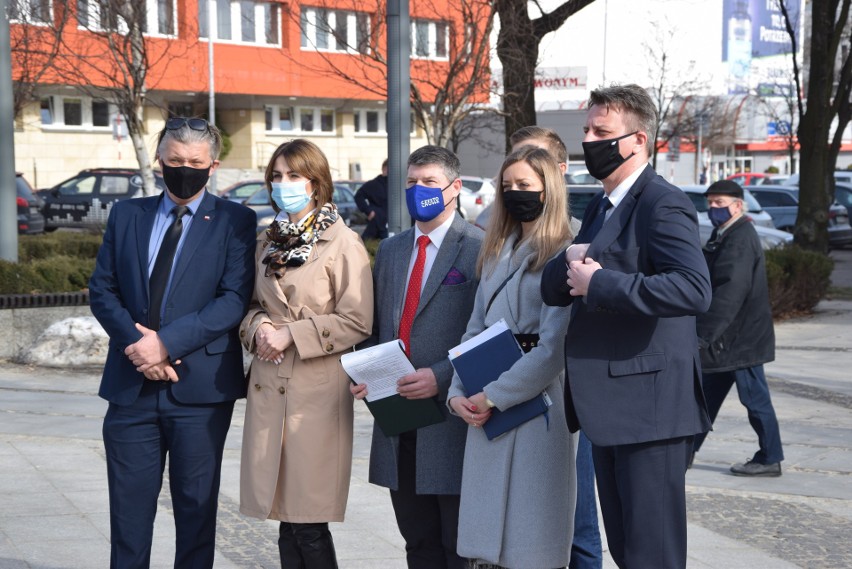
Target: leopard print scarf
{"x":292,"y":243}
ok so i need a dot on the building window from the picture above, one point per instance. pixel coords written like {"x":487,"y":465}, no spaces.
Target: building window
{"x":372,"y":121}
{"x":280,"y":118}
{"x":155,"y":16}
{"x":334,"y":30}
{"x":78,"y":112}
{"x":241,"y":21}
{"x":429,"y":39}
{"x":181,"y":109}
{"x":30,"y":11}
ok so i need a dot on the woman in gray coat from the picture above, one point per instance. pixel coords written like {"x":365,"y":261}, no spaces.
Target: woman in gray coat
{"x":519,"y":490}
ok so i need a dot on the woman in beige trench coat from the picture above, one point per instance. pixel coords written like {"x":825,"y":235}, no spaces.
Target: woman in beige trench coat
{"x":313,"y":300}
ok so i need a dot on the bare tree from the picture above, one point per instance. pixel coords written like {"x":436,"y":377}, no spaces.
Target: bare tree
{"x":449,"y":82}
{"x":824,"y":112}
{"x":780,"y":102}
{"x":517,"y":49}
{"x":113,"y":64}
{"x":36,"y":36}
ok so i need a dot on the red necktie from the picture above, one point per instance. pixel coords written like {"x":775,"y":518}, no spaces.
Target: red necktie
{"x":412,"y":294}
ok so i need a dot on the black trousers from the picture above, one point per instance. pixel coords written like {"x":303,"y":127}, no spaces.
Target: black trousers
{"x":642,"y":490}
{"x":428,"y":522}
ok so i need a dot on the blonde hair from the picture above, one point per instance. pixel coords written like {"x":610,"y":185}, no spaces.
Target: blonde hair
{"x":552,"y":230}
{"x":305,"y":158}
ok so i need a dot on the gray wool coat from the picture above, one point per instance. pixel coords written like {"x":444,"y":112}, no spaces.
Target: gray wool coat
{"x":439,"y":323}
{"x":519,"y":490}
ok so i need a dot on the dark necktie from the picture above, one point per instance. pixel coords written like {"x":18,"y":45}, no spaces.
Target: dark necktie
{"x":159,"y":278}
{"x":412,"y":294}
{"x":598,"y":221}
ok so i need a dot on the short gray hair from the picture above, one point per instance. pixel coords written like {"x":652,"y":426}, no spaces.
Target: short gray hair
{"x":187,"y":135}
{"x":439,"y":156}
{"x":634,"y":101}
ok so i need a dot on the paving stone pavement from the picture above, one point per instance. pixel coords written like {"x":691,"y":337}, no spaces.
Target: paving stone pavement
{"x":54,"y":511}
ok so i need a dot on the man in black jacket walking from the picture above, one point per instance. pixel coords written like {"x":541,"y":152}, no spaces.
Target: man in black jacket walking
{"x":736,"y":336}
{"x":372,"y":199}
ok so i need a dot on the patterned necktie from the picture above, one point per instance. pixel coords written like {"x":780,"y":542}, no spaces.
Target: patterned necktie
{"x":412,"y":294}
{"x":159,"y":278}
{"x":598,"y":221}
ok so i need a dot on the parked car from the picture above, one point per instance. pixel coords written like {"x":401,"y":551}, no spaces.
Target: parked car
{"x":580,"y":196}
{"x":261,"y":203}
{"x":353,"y":185}
{"x":756,"y":178}
{"x":476,"y":194}
{"x":30,"y":218}
{"x":85,"y":200}
{"x":581,"y":178}
{"x":756,"y":212}
{"x":843,"y":196}
{"x":784,"y":202}
{"x":844,"y":176}
{"x":242,"y":190}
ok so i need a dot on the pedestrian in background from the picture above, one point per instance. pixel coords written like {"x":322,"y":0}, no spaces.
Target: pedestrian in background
{"x":518,"y":489}
{"x":313,"y":299}
{"x":425,"y":287}
{"x":586,"y":547}
{"x":372,"y":199}
{"x":736,"y":334}
{"x":172,"y":281}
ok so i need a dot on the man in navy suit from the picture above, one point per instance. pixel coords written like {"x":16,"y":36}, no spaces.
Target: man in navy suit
{"x":635,"y":277}
{"x":173,"y":279}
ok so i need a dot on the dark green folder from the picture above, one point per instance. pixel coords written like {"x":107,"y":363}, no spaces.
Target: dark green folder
{"x":396,"y":414}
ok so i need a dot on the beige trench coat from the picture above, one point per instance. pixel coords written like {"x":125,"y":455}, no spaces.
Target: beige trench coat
{"x":297,"y":438}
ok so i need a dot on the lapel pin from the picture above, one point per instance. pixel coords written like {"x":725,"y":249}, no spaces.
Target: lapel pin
{"x":206,"y":218}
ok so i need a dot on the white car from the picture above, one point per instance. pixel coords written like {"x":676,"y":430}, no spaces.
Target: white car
{"x":477,"y":194}
{"x":755,"y":212}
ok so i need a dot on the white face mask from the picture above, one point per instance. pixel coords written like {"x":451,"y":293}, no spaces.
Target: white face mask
{"x":291,"y":197}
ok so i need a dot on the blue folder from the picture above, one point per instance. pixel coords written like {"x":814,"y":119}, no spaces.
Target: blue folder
{"x":483,"y":364}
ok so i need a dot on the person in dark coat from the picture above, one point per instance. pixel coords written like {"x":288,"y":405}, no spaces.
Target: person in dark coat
{"x":372,"y":200}
{"x":736,"y":336}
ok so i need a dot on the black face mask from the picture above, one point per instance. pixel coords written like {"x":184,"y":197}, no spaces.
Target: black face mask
{"x":523,"y":206}
{"x":602,"y":156}
{"x":184,"y":181}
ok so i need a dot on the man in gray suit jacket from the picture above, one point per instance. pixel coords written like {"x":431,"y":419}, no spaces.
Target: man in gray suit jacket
{"x":634,"y":278}
{"x":425,"y":283}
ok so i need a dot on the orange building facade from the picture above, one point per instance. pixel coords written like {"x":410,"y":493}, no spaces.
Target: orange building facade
{"x":282,"y":70}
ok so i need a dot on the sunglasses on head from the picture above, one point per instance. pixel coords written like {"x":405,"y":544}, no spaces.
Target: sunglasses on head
{"x":176,"y":123}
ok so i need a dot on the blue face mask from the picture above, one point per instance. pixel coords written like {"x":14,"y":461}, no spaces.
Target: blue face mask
{"x":719,"y":215}
{"x":291,"y":197}
{"x":425,"y":203}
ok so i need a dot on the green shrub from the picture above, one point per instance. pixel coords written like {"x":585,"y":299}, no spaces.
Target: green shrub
{"x":53,"y":274}
{"x":58,"y":243}
{"x":798,"y":280}
{"x":771,"y":170}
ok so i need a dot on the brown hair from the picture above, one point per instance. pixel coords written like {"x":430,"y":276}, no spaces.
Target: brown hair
{"x":305,"y":158}
{"x":637,"y":106}
{"x":546,"y":135}
{"x":552,"y":229}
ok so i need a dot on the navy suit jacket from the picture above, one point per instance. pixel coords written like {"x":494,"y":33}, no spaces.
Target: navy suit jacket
{"x":631,"y":349}
{"x":211,"y":287}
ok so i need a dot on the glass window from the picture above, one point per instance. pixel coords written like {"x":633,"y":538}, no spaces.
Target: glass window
{"x":336,"y":30}
{"x":362,"y":31}
{"x":306,"y":120}
{"x":47,"y":110}
{"x":372,"y":121}
{"x":322,"y":29}
{"x":100,"y":113}
{"x":327,"y":120}
{"x":304,"y":25}
{"x":341,"y":34}
{"x":114,"y":185}
{"x":165,"y":17}
{"x":247,"y":24}
{"x":83,"y":13}
{"x":285,"y":118}
{"x":271,"y":19}
{"x":202,"y":19}
{"x":421,"y":38}
{"x":180,"y":109}
{"x":223,"y":19}
{"x":73,"y":111}
{"x":441,"y":40}
{"x":78,"y":186}
{"x":267,"y":116}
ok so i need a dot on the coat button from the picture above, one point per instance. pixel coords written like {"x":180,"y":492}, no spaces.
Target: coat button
{"x":242,"y":333}
{"x":281,"y":390}
{"x":257,"y":386}
{"x":329,"y":348}
{"x":326,"y":333}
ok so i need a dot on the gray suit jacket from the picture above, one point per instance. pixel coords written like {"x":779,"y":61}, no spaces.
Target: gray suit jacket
{"x":439,"y":324}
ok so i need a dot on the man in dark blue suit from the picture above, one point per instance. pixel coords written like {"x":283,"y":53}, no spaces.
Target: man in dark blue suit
{"x":634,"y":278}
{"x":173,"y":279}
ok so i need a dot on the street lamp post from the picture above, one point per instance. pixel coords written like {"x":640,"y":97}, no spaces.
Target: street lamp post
{"x":8,"y":195}
{"x":399,"y":112}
